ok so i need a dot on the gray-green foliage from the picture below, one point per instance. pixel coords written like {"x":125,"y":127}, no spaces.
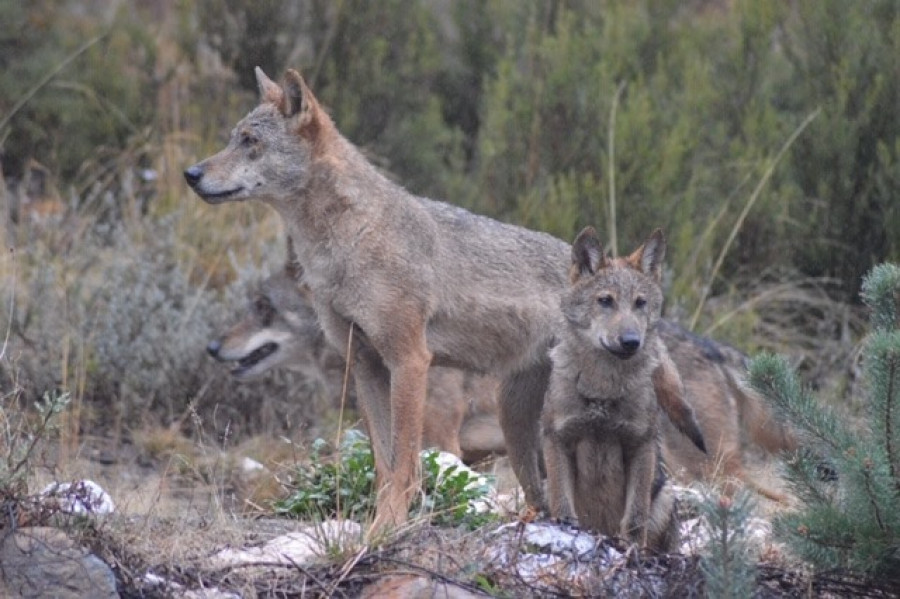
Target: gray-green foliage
{"x":344,"y":485}
{"x":20,"y":436}
{"x":853,"y":522}
{"x":123,"y":323}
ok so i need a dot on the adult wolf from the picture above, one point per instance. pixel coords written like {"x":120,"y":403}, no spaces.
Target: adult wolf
{"x":601,"y":423}
{"x":418,"y":281}
{"x":415,"y":280}
{"x":280,"y":330}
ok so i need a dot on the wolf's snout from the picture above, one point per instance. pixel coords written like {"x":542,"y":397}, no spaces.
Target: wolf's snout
{"x":630,"y":342}
{"x":193,"y":175}
{"x":214,"y":348}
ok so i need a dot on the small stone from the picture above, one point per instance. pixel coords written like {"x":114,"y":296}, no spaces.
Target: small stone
{"x":44,"y":562}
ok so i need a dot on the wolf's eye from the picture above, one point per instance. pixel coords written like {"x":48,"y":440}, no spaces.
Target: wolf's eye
{"x":264,"y":309}
{"x":247,"y":140}
{"x":605,"y":301}
{"x":639,"y":303}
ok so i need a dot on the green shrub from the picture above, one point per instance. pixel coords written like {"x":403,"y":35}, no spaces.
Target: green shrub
{"x":21,"y":433}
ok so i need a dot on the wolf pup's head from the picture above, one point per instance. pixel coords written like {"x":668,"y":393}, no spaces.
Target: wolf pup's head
{"x":613,"y":303}
{"x":270,"y":150}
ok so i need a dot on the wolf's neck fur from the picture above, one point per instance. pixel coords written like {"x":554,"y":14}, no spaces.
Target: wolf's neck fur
{"x":344,"y":196}
{"x":599,"y":374}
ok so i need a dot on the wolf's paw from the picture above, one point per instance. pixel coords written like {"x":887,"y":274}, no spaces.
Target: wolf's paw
{"x":566,"y":521}
{"x":531,"y":514}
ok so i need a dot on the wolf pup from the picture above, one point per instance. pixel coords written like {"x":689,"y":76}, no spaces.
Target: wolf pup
{"x":280,"y":330}
{"x":601,"y":421}
{"x":415,"y":280}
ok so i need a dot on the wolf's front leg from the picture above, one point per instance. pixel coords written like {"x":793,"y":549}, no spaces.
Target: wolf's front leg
{"x":407,"y":358}
{"x":640,"y":464}
{"x":560,"y":477}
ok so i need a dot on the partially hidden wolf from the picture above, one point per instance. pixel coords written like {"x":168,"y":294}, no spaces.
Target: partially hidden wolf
{"x":280,"y":330}
{"x":418,"y":282}
{"x":601,"y":422}
{"x":736,"y":422}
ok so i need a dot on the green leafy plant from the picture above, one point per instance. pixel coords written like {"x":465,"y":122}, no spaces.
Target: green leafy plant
{"x":854,"y":521}
{"x":344,"y":485}
{"x":329,"y":487}
{"x":453,"y":494}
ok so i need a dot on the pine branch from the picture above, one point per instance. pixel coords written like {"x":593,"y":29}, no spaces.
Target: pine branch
{"x":881,"y":292}
{"x":872,"y":496}
{"x":771,"y":376}
{"x":888,"y":423}
{"x":882,"y":368}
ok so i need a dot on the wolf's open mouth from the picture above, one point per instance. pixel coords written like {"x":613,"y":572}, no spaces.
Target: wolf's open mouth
{"x":256,"y":356}
{"x":221,"y":195}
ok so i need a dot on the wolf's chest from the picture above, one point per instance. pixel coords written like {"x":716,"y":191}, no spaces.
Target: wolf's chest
{"x":606,"y":413}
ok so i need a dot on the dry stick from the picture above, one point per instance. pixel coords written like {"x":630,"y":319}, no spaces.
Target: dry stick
{"x":347,"y":568}
{"x":750,"y":202}
{"x":747,"y":305}
{"x":12,"y":303}
{"x":46,"y":79}
{"x":711,"y":227}
{"x":611,"y":227}
{"x":337,"y":441}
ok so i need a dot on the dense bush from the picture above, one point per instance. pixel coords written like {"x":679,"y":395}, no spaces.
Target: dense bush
{"x":123,"y":323}
{"x":100,"y":97}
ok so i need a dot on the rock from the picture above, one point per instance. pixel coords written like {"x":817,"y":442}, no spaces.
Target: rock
{"x":408,"y":586}
{"x":308,"y":544}
{"x":80,"y":497}
{"x":44,"y":562}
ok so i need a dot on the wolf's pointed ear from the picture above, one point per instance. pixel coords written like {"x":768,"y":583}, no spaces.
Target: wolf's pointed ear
{"x":269,"y":91}
{"x":587,"y":254}
{"x":292,"y":265}
{"x":649,"y":257}
{"x":299,"y":99}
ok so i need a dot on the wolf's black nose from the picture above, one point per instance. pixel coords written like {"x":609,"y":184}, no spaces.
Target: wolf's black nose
{"x":193,"y":175}
{"x":630,"y":342}
{"x":214,"y":347}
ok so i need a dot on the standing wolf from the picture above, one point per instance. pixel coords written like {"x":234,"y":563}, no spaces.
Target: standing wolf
{"x":418,"y":282}
{"x":601,"y":421}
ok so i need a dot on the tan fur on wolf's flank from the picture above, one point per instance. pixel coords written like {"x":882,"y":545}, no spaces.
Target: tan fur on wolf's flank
{"x":601,"y":420}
